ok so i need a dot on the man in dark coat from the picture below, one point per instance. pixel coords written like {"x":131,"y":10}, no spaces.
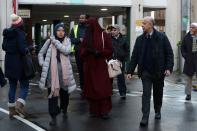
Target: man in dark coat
{"x":77,"y":36}
{"x":153,"y":55}
{"x":121,"y":53}
{"x":189,"y":52}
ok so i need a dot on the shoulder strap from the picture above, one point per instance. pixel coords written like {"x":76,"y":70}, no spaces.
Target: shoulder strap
{"x":103,"y":41}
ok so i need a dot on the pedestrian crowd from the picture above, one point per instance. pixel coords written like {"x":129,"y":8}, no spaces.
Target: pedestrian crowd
{"x":98,"y":53}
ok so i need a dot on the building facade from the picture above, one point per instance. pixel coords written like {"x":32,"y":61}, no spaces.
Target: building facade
{"x":166,"y":12}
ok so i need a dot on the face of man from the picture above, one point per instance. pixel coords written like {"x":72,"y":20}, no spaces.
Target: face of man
{"x":193,"y":29}
{"x":82,"y":19}
{"x":115,"y":32}
{"x":147,"y":25}
{"x":60,"y":32}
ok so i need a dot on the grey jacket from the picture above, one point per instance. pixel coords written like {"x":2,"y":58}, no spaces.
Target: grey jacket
{"x":45,"y":63}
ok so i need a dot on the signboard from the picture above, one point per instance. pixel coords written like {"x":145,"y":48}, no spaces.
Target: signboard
{"x":138,"y":29}
{"x":24,"y":13}
{"x":139,"y":22}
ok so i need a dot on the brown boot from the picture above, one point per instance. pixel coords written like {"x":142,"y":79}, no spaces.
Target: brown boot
{"x":12,"y":112}
{"x":19,"y":107}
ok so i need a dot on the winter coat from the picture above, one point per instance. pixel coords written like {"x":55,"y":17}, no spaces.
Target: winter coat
{"x":120,"y":48}
{"x":45,"y":63}
{"x":162,"y":54}
{"x":14,"y":45}
{"x":186,"y":49}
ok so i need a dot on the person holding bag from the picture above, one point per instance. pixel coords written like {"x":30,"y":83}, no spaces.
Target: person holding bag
{"x":57,"y":72}
{"x":97,"y":84}
{"x":120,"y":53}
{"x":14,"y":45}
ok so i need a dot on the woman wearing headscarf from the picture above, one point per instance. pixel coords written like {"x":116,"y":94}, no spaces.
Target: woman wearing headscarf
{"x":57,"y":72}
{"x":97,"y":85}
{"x":15,"y":46}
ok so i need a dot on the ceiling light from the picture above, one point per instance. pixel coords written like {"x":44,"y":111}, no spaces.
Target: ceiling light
{"x":44,"y":20}
{"x":66,"y":16}
{"x":104,"y":9}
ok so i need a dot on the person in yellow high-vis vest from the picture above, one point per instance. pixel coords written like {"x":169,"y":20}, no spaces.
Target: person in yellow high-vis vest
{"x":77,"y":34}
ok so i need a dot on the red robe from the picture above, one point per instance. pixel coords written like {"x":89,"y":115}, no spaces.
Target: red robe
{"x":97,"y":84}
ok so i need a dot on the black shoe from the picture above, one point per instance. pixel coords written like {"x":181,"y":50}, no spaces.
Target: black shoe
{"x":92,"y":115}
{"x":123,"y":97}
{"x":158,"y":115}
{"x":105,"y":116}
{"x":144,"y":122}
{"x":64,"y":112}
{"x":53,"y":122}
{"x":188,"y":97}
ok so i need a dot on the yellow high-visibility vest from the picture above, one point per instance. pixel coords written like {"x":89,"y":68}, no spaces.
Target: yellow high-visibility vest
{"x":75,"y":35}
{"x":75,"y":30}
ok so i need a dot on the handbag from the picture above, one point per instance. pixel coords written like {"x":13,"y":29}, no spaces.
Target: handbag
{"x":28,"y":66}
{"x":114,"y":66}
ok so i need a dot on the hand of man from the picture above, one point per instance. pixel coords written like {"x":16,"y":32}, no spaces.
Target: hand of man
{"x":129,"y":76}
{"x":167,"y":72}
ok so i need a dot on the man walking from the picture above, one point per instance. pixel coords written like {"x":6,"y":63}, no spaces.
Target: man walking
{"x":120,"y":52}
{"x":189,"y":52}
{"x":154,"y":57}
{"x":76,"y":36}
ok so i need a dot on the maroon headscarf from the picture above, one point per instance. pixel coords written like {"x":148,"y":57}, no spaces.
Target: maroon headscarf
{"x":93,"y":34}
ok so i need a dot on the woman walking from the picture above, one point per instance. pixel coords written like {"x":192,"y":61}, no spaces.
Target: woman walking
{"x":95,"y":49}
{"x":57,"y":72}
{"x":14,"y":44}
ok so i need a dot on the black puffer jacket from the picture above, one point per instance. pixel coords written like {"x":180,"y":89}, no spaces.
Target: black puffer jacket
{"x":162,"y":53}
{"x":120,"y":48}
{"x":14,"y":45}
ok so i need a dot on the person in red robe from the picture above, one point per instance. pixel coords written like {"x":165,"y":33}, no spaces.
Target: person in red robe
{"x":94,"y":52}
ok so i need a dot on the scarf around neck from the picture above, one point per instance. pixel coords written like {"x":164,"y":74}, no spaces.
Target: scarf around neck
{"x":55,"y":85}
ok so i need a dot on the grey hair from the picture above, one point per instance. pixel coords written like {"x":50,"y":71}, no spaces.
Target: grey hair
{"x":150,"y":19}
{"x":194,"y":24}
{"x":116,"y":26}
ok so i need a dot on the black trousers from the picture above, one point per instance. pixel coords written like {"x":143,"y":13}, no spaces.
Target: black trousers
{"x":53,"y":105}
{"x":79,"y":68}
{"x":149,"y":81}
{"x":121,"y":81}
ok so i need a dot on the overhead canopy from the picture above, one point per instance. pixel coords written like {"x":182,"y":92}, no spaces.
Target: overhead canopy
{"x":57,"y":12}
{"x":126,"y":3}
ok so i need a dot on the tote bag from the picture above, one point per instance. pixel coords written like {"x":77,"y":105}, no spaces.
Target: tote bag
{"x":114,"y":66}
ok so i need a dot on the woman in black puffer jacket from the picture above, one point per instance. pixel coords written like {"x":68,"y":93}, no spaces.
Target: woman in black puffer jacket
{"x":14,"y":45}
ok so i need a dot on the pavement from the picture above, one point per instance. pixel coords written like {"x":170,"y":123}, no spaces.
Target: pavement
{"x":177,"y":114}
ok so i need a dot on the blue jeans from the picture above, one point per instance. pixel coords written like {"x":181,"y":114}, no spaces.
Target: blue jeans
{"x":24,"y":87}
